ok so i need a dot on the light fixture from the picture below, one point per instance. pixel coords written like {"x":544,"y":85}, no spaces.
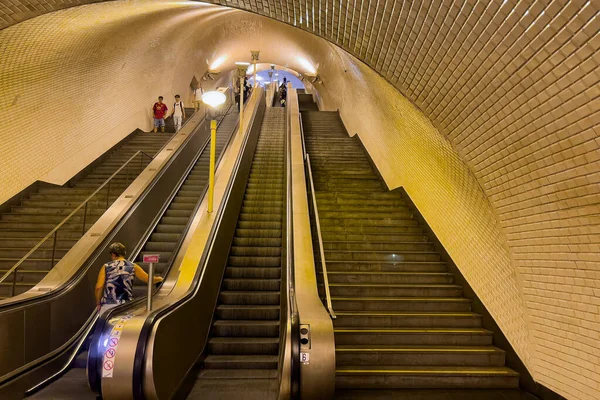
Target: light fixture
{"x":217,"y":63}
{"x":214,"y":99}
{"x":210,"y":75}
{"x":313,"y":78}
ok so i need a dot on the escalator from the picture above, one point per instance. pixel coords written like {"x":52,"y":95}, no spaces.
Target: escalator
{"x":168,"y":233}
{"x":224,"y":328}
{"x":164,"y":240}
{"x":242,"y":352}
{"x":157,"y":221}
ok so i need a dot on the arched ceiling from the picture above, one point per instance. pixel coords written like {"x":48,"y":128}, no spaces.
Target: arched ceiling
{"x":514,"y":87}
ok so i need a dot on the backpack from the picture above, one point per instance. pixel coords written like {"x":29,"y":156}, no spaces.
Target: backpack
{"x":180,"y":106}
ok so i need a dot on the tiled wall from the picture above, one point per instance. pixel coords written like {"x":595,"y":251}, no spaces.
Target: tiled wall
{"x":511,"y":185}
{"x":75,"y":82}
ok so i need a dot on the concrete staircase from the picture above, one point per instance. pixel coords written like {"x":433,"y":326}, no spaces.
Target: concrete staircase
{"x":39,"y":212}
{"x":167,"y":233}
{"x":401,"y":320}
{"x":244,"y":345}
{"x":305,"y":102}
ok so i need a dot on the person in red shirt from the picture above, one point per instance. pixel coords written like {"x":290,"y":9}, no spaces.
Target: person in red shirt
{"x":159,"y":111}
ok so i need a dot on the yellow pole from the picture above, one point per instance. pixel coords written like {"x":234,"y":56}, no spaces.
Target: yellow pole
{"x":211,"y":173}
{"x":255,"y":84}
{"x":241,"y":104}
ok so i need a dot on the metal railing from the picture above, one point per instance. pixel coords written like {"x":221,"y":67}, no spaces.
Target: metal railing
{"x":317,"y":223}
{"x":85,"y":205}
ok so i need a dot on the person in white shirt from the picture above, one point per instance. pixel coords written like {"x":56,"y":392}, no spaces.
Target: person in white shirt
{"x":178,"y":113}
{"x":198,"y":92}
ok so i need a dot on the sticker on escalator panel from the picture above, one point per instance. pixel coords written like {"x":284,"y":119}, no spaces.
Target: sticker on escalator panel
{"x":110,"y":352}
{"x":305,"y":358}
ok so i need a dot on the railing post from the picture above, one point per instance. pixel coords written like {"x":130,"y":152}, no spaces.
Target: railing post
{"x":107,"y":194}
{"x":150,"y":283}
{"x":54,"y":249}
{"x":84,"y":218}
{"x":211,"y":172}
{"x":14,"y":283}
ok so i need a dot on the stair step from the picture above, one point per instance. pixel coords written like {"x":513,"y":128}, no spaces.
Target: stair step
{"x":250,"y":297}
{"x":352,"y":255}
{"x":253,"y":273}
{"x":243,"y":346}
{"x":427,"y":377}
{"x":416,"y":304}
{"x":393,"y":247}
{"x":241,"y":362}
{"x":379,"y":266}
{"x":413,"y":336}
{"x":238,"y":374}
{"x":399,"y":290}
{"x":232,"y":284}
{"x":248,"y":312}
{"x":472,"y":356}
{"x":390,"y":277}
{"x":399,"y":319}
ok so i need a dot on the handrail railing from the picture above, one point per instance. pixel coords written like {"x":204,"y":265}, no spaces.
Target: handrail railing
{"x":317,"y":225}
{"x":84,"y":204}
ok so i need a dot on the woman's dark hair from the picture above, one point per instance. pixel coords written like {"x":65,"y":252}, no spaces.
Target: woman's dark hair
{"x":118,"y":249}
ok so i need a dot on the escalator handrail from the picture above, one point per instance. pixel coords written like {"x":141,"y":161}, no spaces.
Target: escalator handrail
{"x":81,"y":341}
{"x":292,"y":306}
{"x":47,"y":297}
{"x":95,"y":367}
{"x":313,"y":199}
{"x":146,"y":330}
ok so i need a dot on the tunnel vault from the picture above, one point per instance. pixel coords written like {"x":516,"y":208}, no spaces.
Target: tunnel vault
{"x":485,"y":111}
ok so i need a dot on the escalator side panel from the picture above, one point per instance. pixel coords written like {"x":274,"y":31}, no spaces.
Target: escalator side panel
{"x":184,"y":332}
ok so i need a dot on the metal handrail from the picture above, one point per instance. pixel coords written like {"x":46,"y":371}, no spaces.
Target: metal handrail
{"x":54,"y":231}
{"x":318,"y":224}
{"x":321,"y":249}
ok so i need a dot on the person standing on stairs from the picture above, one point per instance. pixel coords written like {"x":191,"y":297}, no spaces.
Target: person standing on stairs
{"x":115,"y":279}
{"x":198,"y":92}
{"x":178,"y":113}
{"x":159,"y":110}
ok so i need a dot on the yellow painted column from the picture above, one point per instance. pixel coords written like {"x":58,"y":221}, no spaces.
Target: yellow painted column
{"x":241,"y":104}
{"x":211,"y":173}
